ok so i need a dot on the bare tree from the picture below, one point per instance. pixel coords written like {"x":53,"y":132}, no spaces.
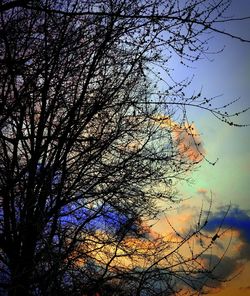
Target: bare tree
{"x":92,"y":136}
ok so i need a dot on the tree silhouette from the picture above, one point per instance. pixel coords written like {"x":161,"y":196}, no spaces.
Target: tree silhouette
{"x":93,"y":136}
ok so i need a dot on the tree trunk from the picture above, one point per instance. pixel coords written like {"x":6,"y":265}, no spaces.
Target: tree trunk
{"x":21,"y":281}
{"x":22,"y":267}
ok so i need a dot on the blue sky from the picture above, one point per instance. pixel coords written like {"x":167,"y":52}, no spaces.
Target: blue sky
{"x":227,"y":75}
{"x":229,"y":180}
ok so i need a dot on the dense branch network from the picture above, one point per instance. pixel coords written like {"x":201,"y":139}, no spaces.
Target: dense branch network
{"x":94,"y":133}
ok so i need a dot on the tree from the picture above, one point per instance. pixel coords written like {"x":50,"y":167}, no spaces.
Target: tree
{"x":92,"y":138}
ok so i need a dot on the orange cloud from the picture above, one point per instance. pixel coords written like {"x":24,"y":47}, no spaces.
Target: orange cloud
{"x":202,"y":191}
{"x":186,"y":137}
{"x":189,"y":142}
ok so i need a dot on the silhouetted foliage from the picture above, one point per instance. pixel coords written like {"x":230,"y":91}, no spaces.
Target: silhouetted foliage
{"x":93,"y":136}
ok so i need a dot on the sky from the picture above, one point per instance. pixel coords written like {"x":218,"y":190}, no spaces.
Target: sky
{"x":228,"y":182}
{"x":226,"y":74}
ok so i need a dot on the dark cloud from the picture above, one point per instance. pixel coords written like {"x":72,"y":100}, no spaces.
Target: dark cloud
{"x":219,"y":269}
{"x":223,"y":268}
{"x":216,"y":271}
{"x":236,"y":219}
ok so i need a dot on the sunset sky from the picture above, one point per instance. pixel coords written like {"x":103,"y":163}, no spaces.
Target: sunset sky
{"x":119,"y":174}
{"x":228,"y":181}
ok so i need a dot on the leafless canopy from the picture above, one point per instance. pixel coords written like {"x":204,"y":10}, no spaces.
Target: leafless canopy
{"x":93,"y":131}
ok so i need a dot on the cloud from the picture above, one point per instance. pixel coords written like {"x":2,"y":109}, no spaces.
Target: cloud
{"x":216,"y":271}
{"x":186,"y":137}
{"x":202,"y":191}
{"x":228,"y":265}
{"x":189,"y":142}
{"x":223,"y":266}
{"x":238,"y":220}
